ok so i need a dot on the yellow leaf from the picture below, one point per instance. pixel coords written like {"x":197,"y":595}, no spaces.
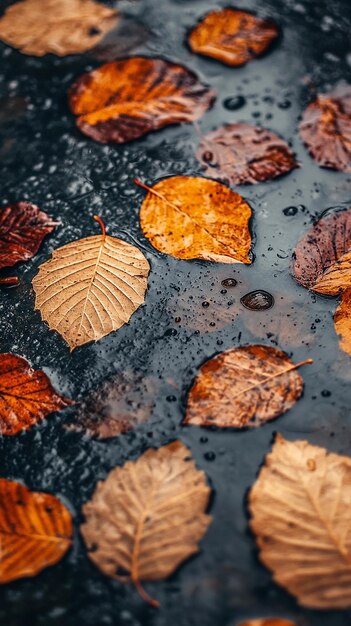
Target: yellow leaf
{"x":342,"y":321}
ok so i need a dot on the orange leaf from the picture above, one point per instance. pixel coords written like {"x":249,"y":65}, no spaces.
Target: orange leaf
{"x":35,"y":531}
{"x":124,"y":100}
{"x":26,"y":395}
{"x":268,"y":621}
{"x":233,"y":37}
{"x":342,"y":321}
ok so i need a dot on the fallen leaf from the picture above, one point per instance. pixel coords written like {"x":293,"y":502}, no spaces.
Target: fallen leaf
{"x":325,"y":129}
{"x":123,"y":100}
{"x":300,"y":515}
{"x":342,"y":321}
{"x":147,"y":517}
{"x":244,"y":387}
{"x":241,"y":153}
{"x":91,"y":287}
{"x":22,"y":229}
{"x":268,"y":621}
{"x":35,"y":531}
{"x":116,"y":406}
{"x":233,"y":37}
{"x":26,"y":395}
{"x":197,"y":218}
{"x":62,"y":28}
{"x":322,"y":258}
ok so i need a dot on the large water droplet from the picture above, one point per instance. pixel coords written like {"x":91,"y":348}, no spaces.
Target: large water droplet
{"x":229,"y":282}
{"x":234,"y":103}
{"x":258,"y":300}
{"x":290,"y":210}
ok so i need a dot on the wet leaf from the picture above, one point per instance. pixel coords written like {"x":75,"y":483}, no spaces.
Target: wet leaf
{"x":91,"y":287}
{"x":116,"y":406}
{"x":35,"y":531}
{"x":268,"y":621}
{"x":244,"y":387}
{"x":22,"y":229}
{"x":233,"y":37}
{"x":300,"y":515}
{"x":147,"y":517}
{"x":325,"y":128}
{"x":26,"y":395}
{"x":322,"y":258}
{"x":241,"y":153}
{"x":342,"y":321}
{"x":123,"y":100}
{"x":61,"y":28}
{"x":197,"y":218}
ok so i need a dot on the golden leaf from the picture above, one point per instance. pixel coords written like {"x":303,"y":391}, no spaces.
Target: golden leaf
{"x":300,"y":515}
{"x":91,"y":287}
{"x":147,"y":516}
{"x":64,"y":27}
{"x":197,"y":218}
{"x":342,"y":321}
{"x":35,"y":531}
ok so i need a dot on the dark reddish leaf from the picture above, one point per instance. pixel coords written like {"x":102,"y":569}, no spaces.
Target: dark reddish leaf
{"x":325,"y":128}
{"x":22,"y":229}
{"x":241,"y":153}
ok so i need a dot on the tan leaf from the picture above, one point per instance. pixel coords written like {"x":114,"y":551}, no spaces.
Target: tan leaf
{"x":147,"y":517}
{"x":300,"y":515}
{"x":268,"y":621}
{"x":342,"y":321}
{"x":64,"y":27}
{"x":244,"y":387}
{"x":91,"y":287}
{"x":197,"y":218}
{"x":35,"y":531}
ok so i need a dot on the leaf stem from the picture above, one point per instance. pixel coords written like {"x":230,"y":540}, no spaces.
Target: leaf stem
{"x":10,"y":281}
{"x":103,"y":229}
{"x":144,"y":595}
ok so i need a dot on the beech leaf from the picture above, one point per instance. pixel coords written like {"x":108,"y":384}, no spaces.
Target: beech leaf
{"x":300,"y":516}
{"x":147,"y":517}
{"x":35,"y":531}
{"x":244,"y":387}
{"x":91,"y":287}
{"x":196,"y":218}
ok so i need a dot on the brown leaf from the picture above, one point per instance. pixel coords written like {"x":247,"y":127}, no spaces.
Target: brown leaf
{"x":62,"y":28}
{"x":322,"y":258}
{"x":233,"y":37}
{"x":26,"y":395}
{"x":268,"y":621}
{"x":300,"y":515}
{"x":91,"y":287}
{"x":35,"y":531}
{"x":342,"y":321}
{"x":123,"y":100}
{"x":241,"y":153}
{"x":22,"y":229}
{"x":147,"y":517}
{"x":197,"y":218}
{"x":244,"y":387}
{"x":325,"y":128}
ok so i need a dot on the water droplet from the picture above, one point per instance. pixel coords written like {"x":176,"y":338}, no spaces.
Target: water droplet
{"x":223,"y":292}
{"x":205,"y":304}
{"x":326,"y":393}
{"x":285,"y":104}
{"x":171,"y":332}
{"x":258,"y":300}
{"x":229,"y":282}
{"x":203,"y":439}
{"x":234,"y":103}
{"x":209,"y":456}
{"x":171,"y":399}
{"x":290,"y":210}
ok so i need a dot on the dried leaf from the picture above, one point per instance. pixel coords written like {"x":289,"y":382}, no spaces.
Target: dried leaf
{"x":91,"y":287}
{"x":26,"y":395}
{"x":197,"y":218}
{"x":233,"y":37}
{"x":268,"y":621}
{"x":147,"y":517}
{"x":123,"y":100}
{"x":300,"y":515}
{"x":62,"y":28}
{"x":35,"y":531}
{"x":241,"y":153}
{"x":22,"y":229}
{"x":244,"y":387}
{"x":325,"y":128}
{"x":342,"y":321}
{"x":322,"y":258}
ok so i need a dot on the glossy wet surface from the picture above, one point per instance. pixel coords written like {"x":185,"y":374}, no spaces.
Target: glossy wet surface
{"x":47,"y":161}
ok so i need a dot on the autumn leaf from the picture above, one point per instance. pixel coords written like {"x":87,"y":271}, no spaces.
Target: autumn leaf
{"x":123,"y":100}
{"x":61,"y":28}
{"x":22,"y":229}
{"x":241,"y":153}
{"x":300,"y":515}
{"x":268,"y":621}
{"x":147,"y":517}
{"x":91,"y":287}
{"x":26,"y":395}
{"x":342,"y":321}
{"x":233,"y":37}
{"x":244,"y":387}
{"x":196,"y":218}
{"x":325,"y":128}
{"x":35,"y":531}
{"x":322,"y":258}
